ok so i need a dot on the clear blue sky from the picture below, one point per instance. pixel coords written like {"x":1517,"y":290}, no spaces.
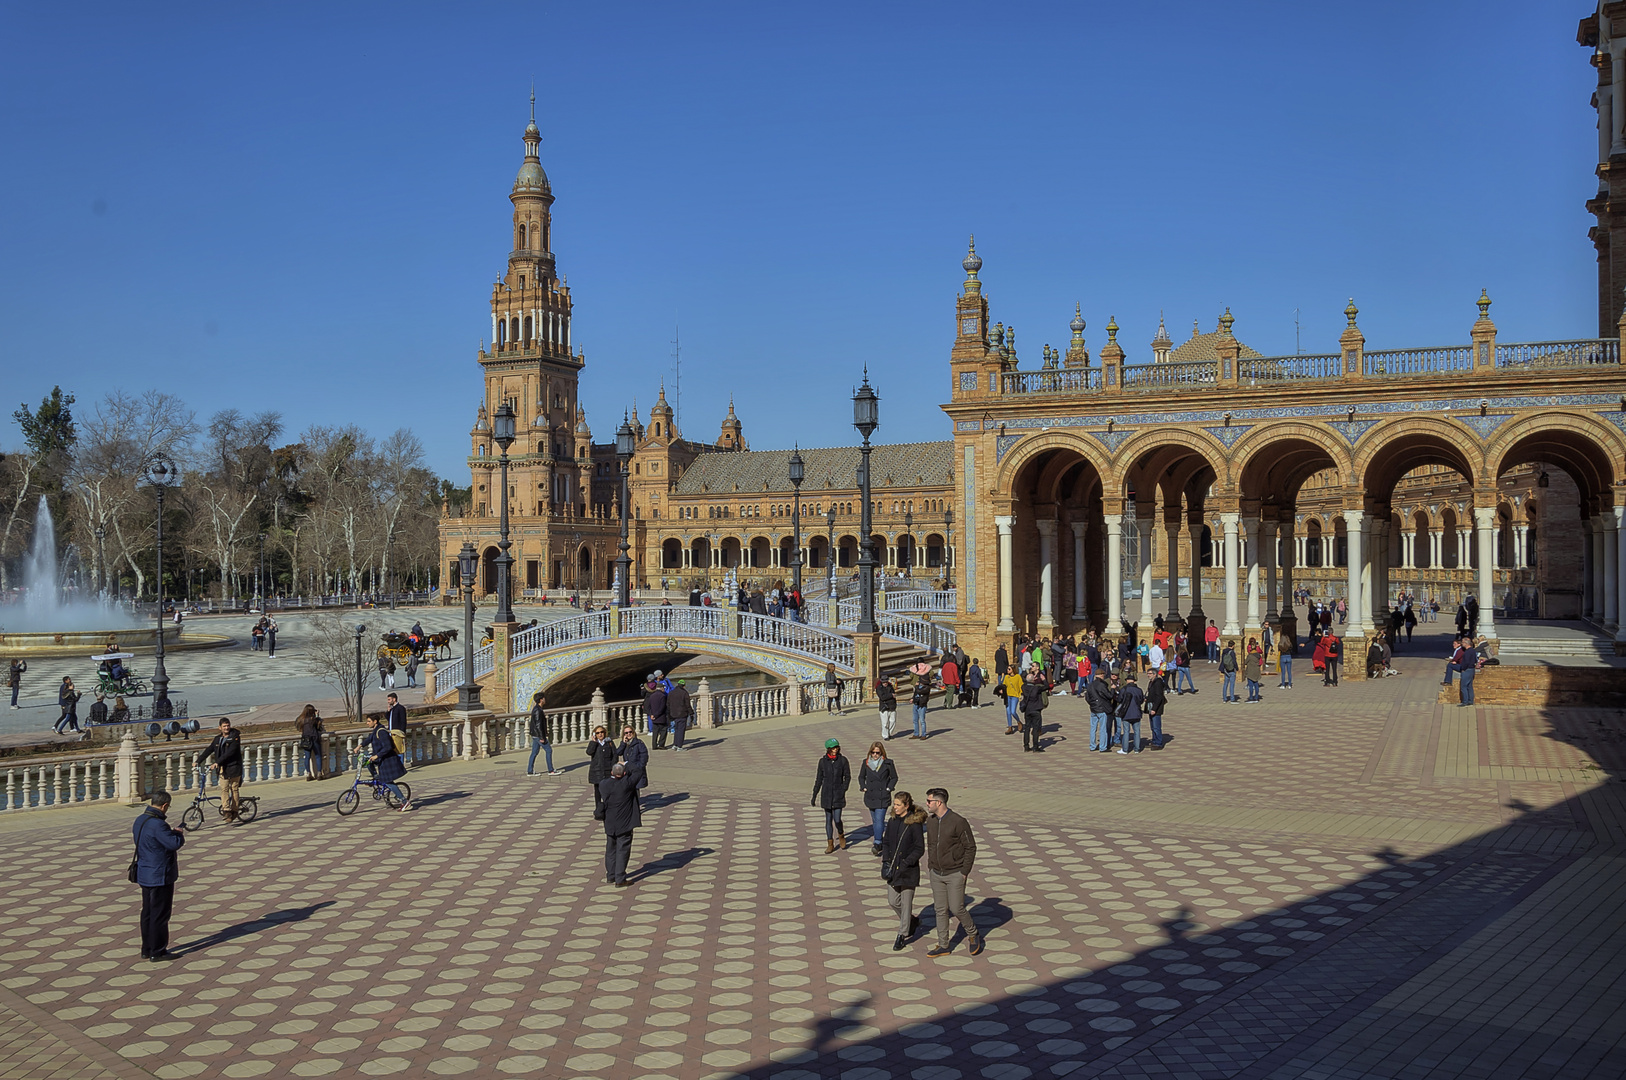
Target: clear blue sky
{"x":303,"y":207}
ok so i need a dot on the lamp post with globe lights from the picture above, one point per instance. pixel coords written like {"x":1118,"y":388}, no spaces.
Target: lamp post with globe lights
{"x":948,"y":547}
{"x":162,"y":472}
{"x":866,"y":418}
{"x":361,"y":684}
{"x":502,"y":433}
{"x":624,"y":446}
{"x":797,"y":474}
{"x":468,"y":691}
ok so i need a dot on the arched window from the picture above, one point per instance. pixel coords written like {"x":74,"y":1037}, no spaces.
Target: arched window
{"x":513,"y":328}
{"x":502,"y":332}
{"x":521,"y":243}
{"x":527,"y":328}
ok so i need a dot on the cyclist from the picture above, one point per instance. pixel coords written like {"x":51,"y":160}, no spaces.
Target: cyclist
{"x":227,"y":750}
{"x":384,"y":759}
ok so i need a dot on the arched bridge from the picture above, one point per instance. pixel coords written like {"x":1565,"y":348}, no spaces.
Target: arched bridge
{"x":614,"y":648}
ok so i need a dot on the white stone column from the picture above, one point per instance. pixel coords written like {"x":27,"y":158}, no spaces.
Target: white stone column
{"x":1465,"y":549}
{"x":1354,"y":532}
{"x":1231,"y":522}
{"x":1521,"y":535}
{"x":1047,"y":574}
{"x":1436,"y":548}
{"x":1301,"y":550}
{"x":1081,"y":594}
{"x":1115,"y":570}
{"x":1144,"y":529}
{"x":1611,"y":570}
{"x":1485,"y":526}
{"x":1408,"y":550}
{"x":1007,"y":622}
{"x":1267,"y":547}
{"x":1618,"y":561}
{"x":1250,"y":559}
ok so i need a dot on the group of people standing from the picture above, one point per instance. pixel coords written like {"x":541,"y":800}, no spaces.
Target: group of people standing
{"x":901,"y":837}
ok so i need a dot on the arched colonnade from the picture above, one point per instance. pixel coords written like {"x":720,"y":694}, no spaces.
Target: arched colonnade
{"x":1073,"y":513}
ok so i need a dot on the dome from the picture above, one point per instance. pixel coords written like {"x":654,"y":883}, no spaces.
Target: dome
{"x":531,"y":178}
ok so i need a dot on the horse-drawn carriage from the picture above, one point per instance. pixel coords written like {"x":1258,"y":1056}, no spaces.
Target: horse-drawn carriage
{"x":402,"y":647}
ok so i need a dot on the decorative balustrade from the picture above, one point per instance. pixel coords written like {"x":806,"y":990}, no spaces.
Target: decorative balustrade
{"x":750,"y":703}
{"x":1552,"y":354}
{"x":808,"y":640}
{"x":702,"y":622}
{"x":934,"y":601}
{"x":485,"y":660}
{"x":1052,"y":381}
{"x":1162,"y":376}
{"x":1441,"y":360}
{"x":58,"y":782}
{"x":1258,"y":369}
{"x":922,"y":632}
{"x":814,"y":700}
{"x":593,"y":626}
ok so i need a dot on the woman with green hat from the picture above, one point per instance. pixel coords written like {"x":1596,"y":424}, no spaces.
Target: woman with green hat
{"x":830,"y":784}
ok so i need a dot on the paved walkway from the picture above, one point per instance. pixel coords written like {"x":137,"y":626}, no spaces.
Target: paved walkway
{"x":1350,"y":882}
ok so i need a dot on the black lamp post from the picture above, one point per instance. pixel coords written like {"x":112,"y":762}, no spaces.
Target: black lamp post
{"x":361,"y":628}
{"x":502,"y":432}
{"x":624,"y":439}
{"x":948,"y":545}
{"x":909,"y":534}
{"x":866,"y":418}
{"x":468,"y":691}
{"x":830,"y":561}
{"x":101,"y":561}
{"x":796,"y":476}
{"x":161,"y":473}
{"x":259,"y":583}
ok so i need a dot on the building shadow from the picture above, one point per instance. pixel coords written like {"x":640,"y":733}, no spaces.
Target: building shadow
{"x":1368,"y":977}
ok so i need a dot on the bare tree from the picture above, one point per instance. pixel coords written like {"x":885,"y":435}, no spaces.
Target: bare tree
{"x":330,"y":656}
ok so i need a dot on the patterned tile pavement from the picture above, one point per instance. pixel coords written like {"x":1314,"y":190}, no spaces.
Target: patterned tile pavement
{"x":1333,"y":883}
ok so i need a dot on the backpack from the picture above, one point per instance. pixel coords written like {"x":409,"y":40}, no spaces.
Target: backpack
{"x":399,"y":739}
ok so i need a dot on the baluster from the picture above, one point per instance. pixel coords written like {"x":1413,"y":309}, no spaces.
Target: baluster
{"x":58,"y":790}
{"x":11,"y":781}
{"x":28,"y":786}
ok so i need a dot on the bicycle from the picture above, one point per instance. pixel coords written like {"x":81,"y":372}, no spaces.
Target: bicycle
{"x":350,"y":798}
{"x":248,"y":806}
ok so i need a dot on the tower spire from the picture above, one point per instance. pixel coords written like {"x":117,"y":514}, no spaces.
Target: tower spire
{"x":533,"y":101}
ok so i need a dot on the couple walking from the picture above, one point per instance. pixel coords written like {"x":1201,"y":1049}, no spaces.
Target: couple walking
{"x":907,"y":835}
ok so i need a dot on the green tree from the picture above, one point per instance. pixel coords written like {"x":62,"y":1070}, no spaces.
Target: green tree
{"x":49,"y":436}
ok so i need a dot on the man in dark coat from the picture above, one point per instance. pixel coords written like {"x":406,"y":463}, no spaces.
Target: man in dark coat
{"x":635,"y":754}
{"x":227,"y":750}
{"x":951,"y":852}
{"x":15,"y":680}
{"x":830,"y":783}
{"x":1002,"y":662}
{"x":602,"y":752}
{"x":1034,"y":701}
{"x":655,"y":709}
{"x":618,"y":809}
{"x":157,"y":869}
{"x":677,"y":712}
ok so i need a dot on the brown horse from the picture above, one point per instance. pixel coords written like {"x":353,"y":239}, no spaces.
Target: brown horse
{"x":442,"y":644}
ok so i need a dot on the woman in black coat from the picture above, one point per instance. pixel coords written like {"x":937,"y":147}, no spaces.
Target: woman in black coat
{"x":1157,"y":699}
{"x":386,"y":763}
{"x":903,"y":845}
{"x":833,"y":779}
{"x":602,"y":752}
{"x":876,"y":779}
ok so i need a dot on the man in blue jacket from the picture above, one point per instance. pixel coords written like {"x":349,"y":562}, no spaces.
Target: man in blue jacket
{"x":157,"y":868}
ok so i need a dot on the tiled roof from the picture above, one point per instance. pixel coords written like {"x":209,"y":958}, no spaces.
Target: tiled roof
{"x":1206,"y":347}
{"x":746,"y":471}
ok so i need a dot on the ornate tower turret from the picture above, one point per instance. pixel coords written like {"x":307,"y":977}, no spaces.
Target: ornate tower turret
{"x":732,"y":437}
{"x":1161,"y":344}
{"x":1077,"y":354}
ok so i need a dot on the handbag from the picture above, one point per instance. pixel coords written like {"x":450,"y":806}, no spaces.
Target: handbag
{"x":135,"y":859}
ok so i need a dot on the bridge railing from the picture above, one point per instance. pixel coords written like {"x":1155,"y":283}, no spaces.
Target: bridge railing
{"x":808,"y":640}
{"x":702,"y":622}
{"x":749,"y":703}
{"x":934,"y":601}
{"x":593,"y":626}
{"x":922,"y":632}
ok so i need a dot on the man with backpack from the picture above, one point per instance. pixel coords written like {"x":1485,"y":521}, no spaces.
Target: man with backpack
{"x":1228,"y":666}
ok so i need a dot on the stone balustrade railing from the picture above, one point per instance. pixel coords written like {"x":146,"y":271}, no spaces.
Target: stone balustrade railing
{"x":917,"y":601}
{"x":1484,"y":356}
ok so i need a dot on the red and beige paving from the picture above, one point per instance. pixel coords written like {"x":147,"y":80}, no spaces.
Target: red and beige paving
{"x":1279,"y":892}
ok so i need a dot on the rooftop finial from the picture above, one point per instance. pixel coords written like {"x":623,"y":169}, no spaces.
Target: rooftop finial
{"x":1484,"y":302}
{"x":1077,"y":325}
{"x":533,"y":101}
{"x":1351,"y":311}
{"x":973,"y":261}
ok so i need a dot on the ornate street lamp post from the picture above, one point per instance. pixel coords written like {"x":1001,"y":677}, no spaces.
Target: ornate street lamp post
{"x":101,"y":561}
{"x":161,"y":473}
{"x":796,"y":476}
{"x":909,"y":533}
{"x":502,"y":432}
{"x":361,"y":628}
{"x":866,"y":418}
{"x":830,"y":555}
{"x":468,"y":691}
{"x":624,"y":440}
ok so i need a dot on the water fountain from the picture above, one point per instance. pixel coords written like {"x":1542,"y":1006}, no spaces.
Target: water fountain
{"x":54,"y":617}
